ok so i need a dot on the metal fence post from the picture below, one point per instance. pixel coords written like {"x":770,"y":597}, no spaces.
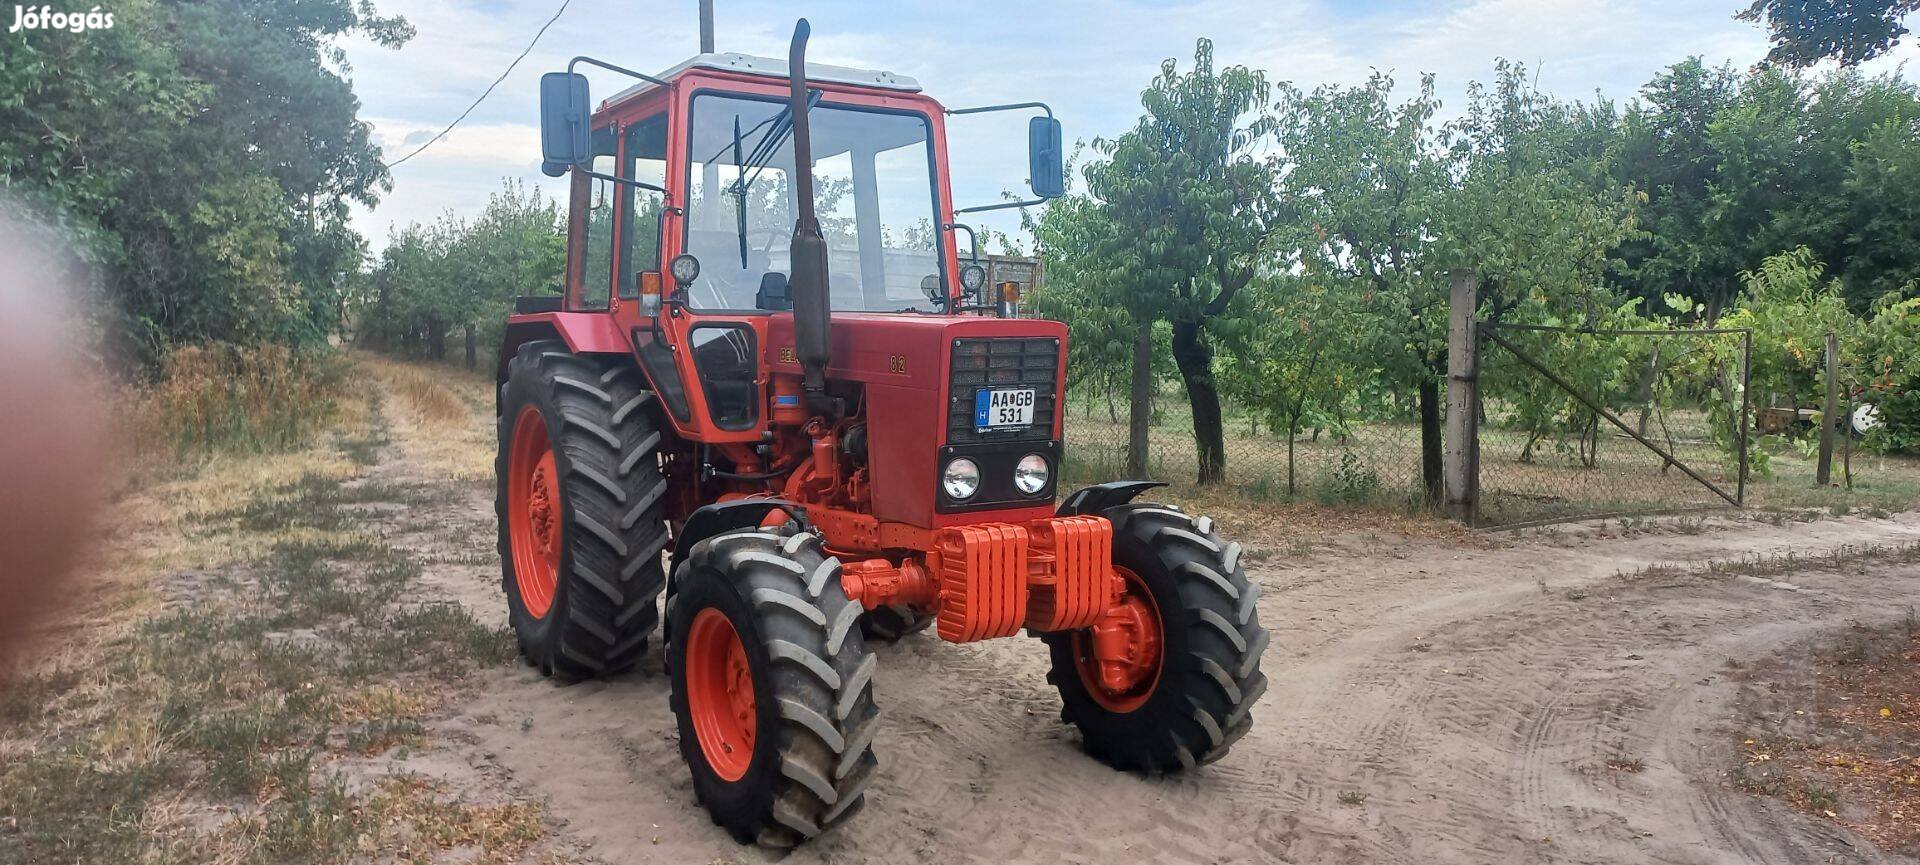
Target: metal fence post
{"x":1823,"y":472}
{"x":1461,"y":461}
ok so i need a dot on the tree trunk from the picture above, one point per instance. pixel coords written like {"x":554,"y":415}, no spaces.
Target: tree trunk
{"x":436,"y":340}
{"x":1140,"y":407}
{"x":1195,"y":358}
{"x":1293,"y":434}
{"x":473,"y":348}
{"x":1430,"y":440}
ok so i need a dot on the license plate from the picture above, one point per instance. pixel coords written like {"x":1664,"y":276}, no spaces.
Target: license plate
{"x":993,"y":409}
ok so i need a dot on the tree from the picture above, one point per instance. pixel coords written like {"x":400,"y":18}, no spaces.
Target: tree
{"x":1890,"y":368}
{"x":1805,"y":32}
{"x":458,"y":273}
{"x":1100,"y":335}
{"x":1189,"y":202}
{"x":1363,"y":178}
{"x":1661,"y":148}
{"x":205,"y":153}
{"x":1293,"y":357}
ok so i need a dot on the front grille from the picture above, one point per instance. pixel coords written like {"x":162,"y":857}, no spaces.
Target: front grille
{"x":1003,"y":362}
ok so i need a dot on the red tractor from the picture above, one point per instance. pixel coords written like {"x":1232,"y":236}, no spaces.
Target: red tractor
{"x":815,"y":429}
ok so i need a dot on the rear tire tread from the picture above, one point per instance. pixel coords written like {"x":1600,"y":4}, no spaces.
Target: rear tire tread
{"x":614,"y":530}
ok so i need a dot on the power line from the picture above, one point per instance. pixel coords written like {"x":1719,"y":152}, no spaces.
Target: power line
{"x":496,"y":83}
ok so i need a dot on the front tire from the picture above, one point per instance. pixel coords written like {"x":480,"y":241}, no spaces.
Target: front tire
{"x":1184,"y":692}
{"x":772,"y":686}
{"x":579,"y":505}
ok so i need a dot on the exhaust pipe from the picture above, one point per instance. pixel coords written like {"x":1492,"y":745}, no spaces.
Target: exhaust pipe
{"x":808,"y":282}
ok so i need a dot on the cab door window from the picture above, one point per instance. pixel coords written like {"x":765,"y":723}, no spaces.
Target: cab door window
{"x":596,"y":276}
{"x":643,"y":159}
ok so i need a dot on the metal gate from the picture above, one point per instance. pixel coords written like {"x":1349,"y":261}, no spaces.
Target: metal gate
{"x":1583,"y":423}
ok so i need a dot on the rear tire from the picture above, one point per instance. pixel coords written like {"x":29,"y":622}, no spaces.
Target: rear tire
{"x":808,"y":722}
{"x":1198,"y":700}
{"x":580,"y":537}
{"x":893,"y":624}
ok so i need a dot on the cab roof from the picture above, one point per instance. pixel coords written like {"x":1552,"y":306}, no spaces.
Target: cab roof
{"x":774,"y":68}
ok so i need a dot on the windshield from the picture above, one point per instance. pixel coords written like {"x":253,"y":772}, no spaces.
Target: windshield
{"x":874,"y":194}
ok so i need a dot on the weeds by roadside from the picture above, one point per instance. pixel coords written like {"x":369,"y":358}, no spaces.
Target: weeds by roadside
{"x":1767,"y":565}
{"x":231,"y":399}
{"x":441,"y":417}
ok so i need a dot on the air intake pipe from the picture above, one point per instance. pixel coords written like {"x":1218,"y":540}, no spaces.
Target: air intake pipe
{"x":808,"y":282}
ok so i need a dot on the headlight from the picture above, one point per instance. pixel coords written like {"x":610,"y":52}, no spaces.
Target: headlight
{"x":961,"y":479}
{"x":1032,"y":473}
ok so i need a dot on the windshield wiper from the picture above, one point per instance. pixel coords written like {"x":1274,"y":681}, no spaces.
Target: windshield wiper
{"x":779,"y":127}
{"x":740,"y":202}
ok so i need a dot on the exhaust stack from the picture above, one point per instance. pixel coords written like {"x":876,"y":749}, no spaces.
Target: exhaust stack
{"x":808,"y":282}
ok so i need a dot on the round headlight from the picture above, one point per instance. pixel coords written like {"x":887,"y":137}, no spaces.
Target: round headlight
{"x":972,"y":277}
{"x":961,"y":479}
{"x":1032,"y":473}
{"x":685,"y":268}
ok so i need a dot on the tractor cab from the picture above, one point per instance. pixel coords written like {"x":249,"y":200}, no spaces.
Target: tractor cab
{"x":775,"y":390}
{"x":681,"y":251}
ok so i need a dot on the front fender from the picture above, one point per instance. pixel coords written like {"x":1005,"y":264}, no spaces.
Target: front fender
{"x":1099,"y":497}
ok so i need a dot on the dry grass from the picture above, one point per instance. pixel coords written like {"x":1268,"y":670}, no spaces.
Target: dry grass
{"x":241,"y":633}
{"x":232,"y":399}
{"x":1268,"y":526}
{"x":442,"y":417}
{"x":1846,"y":754}
{"x":1770,"y":565}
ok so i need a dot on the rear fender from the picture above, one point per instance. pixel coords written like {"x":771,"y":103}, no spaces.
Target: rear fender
{"x":583,"y":332}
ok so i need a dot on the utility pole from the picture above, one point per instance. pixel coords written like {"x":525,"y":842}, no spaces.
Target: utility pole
{"x":706,"y":26}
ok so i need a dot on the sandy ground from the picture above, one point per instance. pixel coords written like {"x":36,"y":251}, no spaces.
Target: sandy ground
{"x":1430,"y":702}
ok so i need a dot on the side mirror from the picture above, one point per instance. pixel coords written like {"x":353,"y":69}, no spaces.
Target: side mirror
{"x":563,"y":122}
{"x":1046,"y":164}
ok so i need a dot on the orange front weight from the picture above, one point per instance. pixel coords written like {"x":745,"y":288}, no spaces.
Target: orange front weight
{"x":1070,"y":563}
{"x":982,"y":572}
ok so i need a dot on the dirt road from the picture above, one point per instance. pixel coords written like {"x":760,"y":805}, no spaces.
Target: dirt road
{"x":1430,"y":702}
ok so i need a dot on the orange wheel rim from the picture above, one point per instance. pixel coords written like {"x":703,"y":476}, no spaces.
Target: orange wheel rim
{"x":720,"y":694}
{"x":1119,"y":659}
{"x":533,"y":512}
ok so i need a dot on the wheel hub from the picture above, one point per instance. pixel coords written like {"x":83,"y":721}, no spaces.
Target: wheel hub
{"x":1119,"y":657}
{"x":540,"y":507}
{"x":533,"y":513}
{"x":720,"y":698}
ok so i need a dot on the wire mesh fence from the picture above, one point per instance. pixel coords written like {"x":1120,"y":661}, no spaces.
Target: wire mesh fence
{"x":1588,"y":423}
{"x":1374,"y":463}
{"x":1543,"y":456}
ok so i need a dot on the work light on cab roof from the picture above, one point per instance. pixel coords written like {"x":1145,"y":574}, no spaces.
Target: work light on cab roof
{"x":777,"y":417}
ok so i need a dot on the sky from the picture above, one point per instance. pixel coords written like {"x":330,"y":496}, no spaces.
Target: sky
{"x":1089,"y":59}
